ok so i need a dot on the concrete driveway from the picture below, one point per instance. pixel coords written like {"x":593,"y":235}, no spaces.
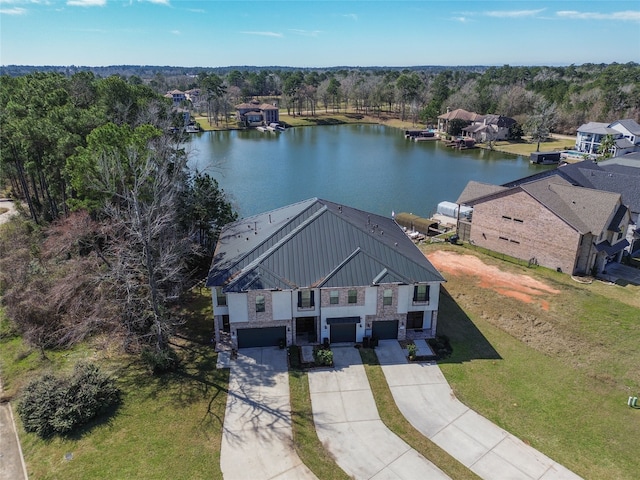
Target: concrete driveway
{"x":621,"y":274}
{"x":425,"y":398}
{"x":257,"y":441}
{"x":348,"y":424}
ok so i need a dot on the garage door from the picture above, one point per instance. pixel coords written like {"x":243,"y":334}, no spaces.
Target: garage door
{"x":385,"y":329}
{"x":343,"y":333}
{"x":260,"y":337}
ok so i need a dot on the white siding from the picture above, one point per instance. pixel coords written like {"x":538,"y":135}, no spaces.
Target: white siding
{"x":238,"y":308}
{"x":371,"y":301}
{"x":281,"y":305}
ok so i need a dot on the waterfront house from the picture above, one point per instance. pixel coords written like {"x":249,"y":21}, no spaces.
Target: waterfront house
{"x":255,"y":114}
{"x":575,"y":218}
{"x":177,"y":97}
{"x":457,"y":114}
{"x":625,"y":133}
{"x":317,"y":271}
{"x":489,"y":128}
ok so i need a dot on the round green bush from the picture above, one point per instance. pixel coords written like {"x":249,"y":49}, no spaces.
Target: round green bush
{"x":57,"y":405}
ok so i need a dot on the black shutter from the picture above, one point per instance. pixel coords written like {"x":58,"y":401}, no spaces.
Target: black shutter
{"x":415,"y":293}
{"x":311,"y":304}
{"x":299,"y":299}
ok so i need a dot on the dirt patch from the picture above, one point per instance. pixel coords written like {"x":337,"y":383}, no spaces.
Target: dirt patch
{"x":524,"y":312}
{"x":518,"y":286}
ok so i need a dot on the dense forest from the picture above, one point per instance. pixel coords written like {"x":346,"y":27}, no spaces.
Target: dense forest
{"x":115,"y":225}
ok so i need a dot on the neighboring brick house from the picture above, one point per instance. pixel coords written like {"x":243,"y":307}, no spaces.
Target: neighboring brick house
{"x":550,"y":222}
{"x":318,"y":270}
{"x":254,"y":114}
{"x":625,"y":133}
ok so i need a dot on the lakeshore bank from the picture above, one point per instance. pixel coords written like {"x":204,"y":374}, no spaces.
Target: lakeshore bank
{"x":522,"y":148}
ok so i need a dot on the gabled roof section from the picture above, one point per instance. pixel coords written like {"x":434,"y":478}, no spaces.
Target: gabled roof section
{"x":628,"y":124}
{"x":316,"y":243}
{"x":475,"y":190}
{"x":585,"y":209}
{"x":460,"y":113}
{"x":607,"y":176}
{"x":597,"y":128}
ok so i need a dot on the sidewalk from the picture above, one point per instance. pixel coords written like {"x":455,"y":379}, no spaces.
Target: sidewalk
{"x":425,"y":398}
{"x":12,"y":465}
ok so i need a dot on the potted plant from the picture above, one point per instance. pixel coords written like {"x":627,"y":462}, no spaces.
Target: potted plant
{"x":412,"y":349}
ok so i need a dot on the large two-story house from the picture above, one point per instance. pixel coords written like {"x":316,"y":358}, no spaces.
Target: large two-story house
{"x":254,"y":114}
{"x":625,"y":134}
{"x":317,"y":271}
{"x":575,"y":218}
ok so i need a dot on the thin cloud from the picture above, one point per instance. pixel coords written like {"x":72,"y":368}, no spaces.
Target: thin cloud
{"x":264,"y":34}
{"x":176,"y":32}
{"x":305,"y":33}
{"x":13,"y":11}
{"x":460,"y":19}
{"x":352,"y":16}
{"x":158,"y":2}
{"x":629,"y":15}
{"x":514,"y":13}
{"x":86,"y":3}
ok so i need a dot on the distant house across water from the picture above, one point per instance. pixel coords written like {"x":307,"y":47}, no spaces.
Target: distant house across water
{"x":254,"y":114}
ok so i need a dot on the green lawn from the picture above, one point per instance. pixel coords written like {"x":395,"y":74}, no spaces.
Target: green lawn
{"x":563,"y":385}
{"x":562,"y":388}
{"x":168,"y":426}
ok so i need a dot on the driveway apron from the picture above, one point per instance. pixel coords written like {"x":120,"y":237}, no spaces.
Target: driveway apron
{"x":425,"y":398}
{"x":257,"y":441}
{"x":348,"y":424}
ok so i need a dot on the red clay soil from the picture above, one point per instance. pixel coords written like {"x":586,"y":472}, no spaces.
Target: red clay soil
{"x":518,"y":286}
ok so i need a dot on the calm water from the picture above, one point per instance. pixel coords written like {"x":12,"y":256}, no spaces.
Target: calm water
{"x":370,"y":167}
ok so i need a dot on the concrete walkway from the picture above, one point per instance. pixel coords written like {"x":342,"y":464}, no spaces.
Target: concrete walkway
{"x":257,"y":441}
{"x":425,"y":398}
{"x":12,"y":465}
{"x":348,"y":424}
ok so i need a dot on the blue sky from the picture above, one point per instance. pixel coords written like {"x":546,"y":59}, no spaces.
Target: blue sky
{"x":211,"y":33}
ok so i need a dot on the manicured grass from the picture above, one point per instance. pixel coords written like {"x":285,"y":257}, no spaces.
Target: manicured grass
{"x":306,"y":441}
{"x":562,"y":385}
{"x":525,"y":148}
{"x":397,"y":423}
{"x":167,"y":427}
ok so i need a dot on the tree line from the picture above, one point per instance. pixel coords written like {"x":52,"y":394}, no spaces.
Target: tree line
{"x":116,"y":226}
{"x":579,"y":94}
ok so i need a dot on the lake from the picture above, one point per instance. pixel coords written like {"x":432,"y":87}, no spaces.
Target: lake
{"x":370,"y":167}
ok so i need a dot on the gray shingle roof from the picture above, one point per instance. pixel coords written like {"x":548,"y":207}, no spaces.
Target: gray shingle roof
{"x":585,"y":209}
{"x":316,"y":243}
{"x":475,"y":190}
{"x":606,"y":176}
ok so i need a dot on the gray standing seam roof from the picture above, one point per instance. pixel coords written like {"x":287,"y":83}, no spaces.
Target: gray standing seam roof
{"x":316,"y":243}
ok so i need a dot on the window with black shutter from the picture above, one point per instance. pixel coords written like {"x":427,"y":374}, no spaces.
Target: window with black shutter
{"x":421,"y":293}
{"x":305,"y":299}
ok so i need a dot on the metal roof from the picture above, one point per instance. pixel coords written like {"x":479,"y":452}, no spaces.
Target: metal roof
{"x":316,"y":243}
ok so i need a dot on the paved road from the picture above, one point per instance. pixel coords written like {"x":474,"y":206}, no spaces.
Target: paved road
{"x":348,"y":424}
{"x":257,"y":441}
{"x":12,"y":465}
{"x":425,"y":398}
